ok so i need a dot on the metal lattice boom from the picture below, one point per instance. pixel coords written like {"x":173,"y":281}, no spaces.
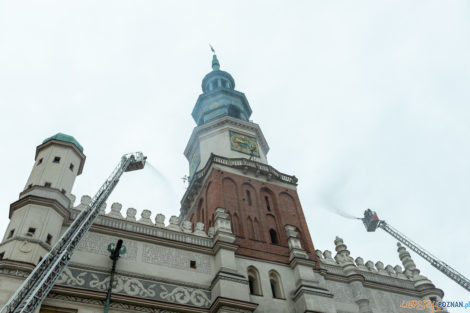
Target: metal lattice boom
{"x":440,"y":265}
{"x":372,"y":222}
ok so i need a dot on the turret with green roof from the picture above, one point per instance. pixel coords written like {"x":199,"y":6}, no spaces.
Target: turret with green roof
{"x":65,"y":138}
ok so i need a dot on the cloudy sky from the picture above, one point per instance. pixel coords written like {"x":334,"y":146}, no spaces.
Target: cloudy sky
{"x":366,"y":102}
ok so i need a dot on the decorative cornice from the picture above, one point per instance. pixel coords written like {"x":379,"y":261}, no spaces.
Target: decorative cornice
{"x":313,"y":290}
{"x":225,"y":245}
{"x":28,"y":239}
{"x":30,"y":199}
{"x":230,"y":276}
{"x":242,"y":306}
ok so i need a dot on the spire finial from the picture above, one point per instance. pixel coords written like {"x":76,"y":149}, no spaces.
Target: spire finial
{"x":215,"y":61}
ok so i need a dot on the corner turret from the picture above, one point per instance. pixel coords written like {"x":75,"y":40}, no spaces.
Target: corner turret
{"x":36,"y":219}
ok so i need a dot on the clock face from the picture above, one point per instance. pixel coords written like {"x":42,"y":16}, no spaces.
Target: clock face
{"x":243,"y":143}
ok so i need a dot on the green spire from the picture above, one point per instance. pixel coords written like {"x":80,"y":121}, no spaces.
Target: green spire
{"x":215,"y":63}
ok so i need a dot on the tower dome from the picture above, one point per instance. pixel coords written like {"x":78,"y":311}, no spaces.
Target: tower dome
{"x":65,"y":138}
{"x":219,"y":97}
{"x":217,"y":78}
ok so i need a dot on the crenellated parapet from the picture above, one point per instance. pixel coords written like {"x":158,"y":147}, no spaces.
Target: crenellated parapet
{"x":177,"y":230}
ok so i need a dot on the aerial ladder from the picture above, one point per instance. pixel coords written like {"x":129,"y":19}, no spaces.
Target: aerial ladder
{"x":372,"y":222}
{"x":37,"y":285}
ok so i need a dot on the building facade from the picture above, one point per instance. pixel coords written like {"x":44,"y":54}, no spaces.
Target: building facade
{"x":240,"y":244}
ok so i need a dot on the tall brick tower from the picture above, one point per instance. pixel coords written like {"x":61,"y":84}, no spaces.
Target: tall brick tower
{"x":228,"y":168}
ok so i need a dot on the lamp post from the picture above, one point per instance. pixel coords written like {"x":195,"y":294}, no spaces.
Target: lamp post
{"x":116,"y":251}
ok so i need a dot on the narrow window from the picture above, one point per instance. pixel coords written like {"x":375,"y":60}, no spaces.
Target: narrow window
{"x":47,"y":184}
{"x":248,"y":197}
{"x":40,"y":259}
{"x":11,"y":233}
{"x":276,"y":285}
{"x":192,"y":264}
{"x":31,"y":231}
{"x":63,"y":191}
{"x":268,"y":207}
{"x":71,"y":166}
{"x":254,"y":282}
{"x":56,"y":159}
{"x":39,"y":161}
{"x":2,"y":255}
{"x":49,"y":239}
{"x":273,"y":288}
{"x":30,"y":185}
{"x":251,"y":283}
{"x":273,"y":235}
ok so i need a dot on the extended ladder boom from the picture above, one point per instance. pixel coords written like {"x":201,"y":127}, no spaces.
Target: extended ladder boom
{"x":38,"y":284}
{"x":372,"y":222}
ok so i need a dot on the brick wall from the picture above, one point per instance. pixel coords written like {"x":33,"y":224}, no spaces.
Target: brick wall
{"x":258,"y":211}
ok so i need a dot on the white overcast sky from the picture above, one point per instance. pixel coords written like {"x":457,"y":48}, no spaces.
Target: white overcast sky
{"x":366,"y":102}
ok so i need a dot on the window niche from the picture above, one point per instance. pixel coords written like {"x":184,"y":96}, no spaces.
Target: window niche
{"x":273,"y":236}
{"x":276,"y":285}
{"x":254,"y":282}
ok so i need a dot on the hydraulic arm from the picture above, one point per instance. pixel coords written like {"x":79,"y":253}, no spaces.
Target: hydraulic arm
{"x":38,"y":284}
{"x":372,"y":222}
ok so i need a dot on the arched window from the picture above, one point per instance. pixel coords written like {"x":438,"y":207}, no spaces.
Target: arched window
{"x":248,"y":197}
{"x":254,"y":282}
{"x":268,"y":207}
{"x":273,"y":236}
{"x":276,"y":285}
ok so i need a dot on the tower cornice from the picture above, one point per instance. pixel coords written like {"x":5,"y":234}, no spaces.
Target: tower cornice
{"x":30,"y":199}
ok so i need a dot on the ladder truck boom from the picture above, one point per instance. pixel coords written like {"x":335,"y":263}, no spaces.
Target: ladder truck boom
{"x":372,"y":222}
{"x":37,"y":285}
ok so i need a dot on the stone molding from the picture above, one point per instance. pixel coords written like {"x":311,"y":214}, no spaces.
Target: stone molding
{"x":230,"y":276}
{"x":226,"y":305}
{"x":28,"y":239}
{"x":31,"y":199}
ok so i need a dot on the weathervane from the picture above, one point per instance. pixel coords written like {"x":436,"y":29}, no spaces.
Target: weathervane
{"x":185,"y":179}
{"x":212,"y":49}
